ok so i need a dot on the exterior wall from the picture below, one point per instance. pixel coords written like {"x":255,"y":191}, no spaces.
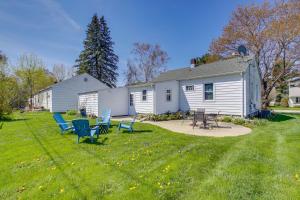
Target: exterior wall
{"x":294,"y":92}
{"x":252,"y":90}
{"x":114,"y":98}
{"x":43,"y":99}
{"x":140,"y":106}
{"x":65,"y":94}
{"x":228,"y":95}
{"x":161,"y":103}
{"x":89,"y":101}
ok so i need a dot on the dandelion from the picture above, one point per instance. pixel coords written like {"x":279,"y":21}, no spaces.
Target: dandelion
{"x":169,"y":183}
{"x":72,"y":163}
{"x":53,"y":168}
{"x":132,"y":188}
{"x":61,"y":190}
{"x":41,"y":187}
{"x":297,"y":176}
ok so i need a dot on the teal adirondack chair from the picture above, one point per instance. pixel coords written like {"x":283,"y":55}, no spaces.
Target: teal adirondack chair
{"x":63,"y":125}
{"x":127,"y":125}
{"x":82,"y":128}
{"x":104,"y":120}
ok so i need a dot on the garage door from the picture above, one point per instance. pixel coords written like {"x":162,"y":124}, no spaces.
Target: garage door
{"x":90,"y":102}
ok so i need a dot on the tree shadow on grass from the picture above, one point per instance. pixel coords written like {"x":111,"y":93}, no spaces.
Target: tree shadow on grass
{"x":136,"y":131}
{"x":280,"y":118}
{"x":97,"y":141}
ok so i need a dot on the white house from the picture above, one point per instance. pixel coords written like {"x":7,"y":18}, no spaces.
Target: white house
{"x":230,"y":87}
{"x":63,"y":96}
{"x":294,"y":92}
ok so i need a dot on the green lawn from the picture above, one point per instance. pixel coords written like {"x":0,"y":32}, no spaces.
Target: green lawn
{"x":283,"y":108}
{"x":37,"y":162}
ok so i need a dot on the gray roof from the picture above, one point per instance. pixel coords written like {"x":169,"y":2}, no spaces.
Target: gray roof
{"x":222,"y":67}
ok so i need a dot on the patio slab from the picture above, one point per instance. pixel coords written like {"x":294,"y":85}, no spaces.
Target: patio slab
{"x":184,"y":126}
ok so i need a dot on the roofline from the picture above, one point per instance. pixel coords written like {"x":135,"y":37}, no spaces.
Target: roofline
{"x":150,"y":84}
{"x":197,"y":77}
{"x":88,"y":92}
{"x":42,"y":90}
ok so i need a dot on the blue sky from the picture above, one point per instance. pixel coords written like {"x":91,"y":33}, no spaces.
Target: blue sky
{"x":54,"y":29}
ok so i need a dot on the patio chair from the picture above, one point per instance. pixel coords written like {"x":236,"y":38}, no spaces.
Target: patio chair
{"x":63,"y":124}
{"x":82,"y":128}
{"x":199,"y":117}
{"x":127,"y":125}
{"x":104,"y":117}
{"x":104,"y":124}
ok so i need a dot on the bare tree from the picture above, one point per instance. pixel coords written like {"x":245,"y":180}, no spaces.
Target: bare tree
{"x":59,"y":72}
{"x":271,"y":33}
{"x":149,"y":60}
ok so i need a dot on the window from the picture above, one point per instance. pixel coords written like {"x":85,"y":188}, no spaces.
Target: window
{"x":168,"y":95}
{"x":144,"y":97}
{"x":131,"y":99}
{"x":189,"y":87}
{"x":209,"y":91}
{"x":297,"y":100}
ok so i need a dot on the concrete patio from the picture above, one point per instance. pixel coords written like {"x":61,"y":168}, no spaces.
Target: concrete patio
{"x":184,"y":126}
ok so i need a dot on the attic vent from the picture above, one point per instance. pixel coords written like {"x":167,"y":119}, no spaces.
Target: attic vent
{"x":85,"y":79}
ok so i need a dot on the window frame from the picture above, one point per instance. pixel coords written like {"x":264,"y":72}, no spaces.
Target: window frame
{"x":144,"y":95}
{"x":213,"y":92}
{"x":297,"y":99}
{"x":131,"y":99}
{"x":168,"y":94}
{"x":189,"y":90}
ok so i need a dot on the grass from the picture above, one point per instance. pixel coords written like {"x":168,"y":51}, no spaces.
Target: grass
{"x":37,"y":162}
{"x":283,"y":108}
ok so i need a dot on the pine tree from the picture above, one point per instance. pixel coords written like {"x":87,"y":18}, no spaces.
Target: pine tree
{"x":98,"y":58}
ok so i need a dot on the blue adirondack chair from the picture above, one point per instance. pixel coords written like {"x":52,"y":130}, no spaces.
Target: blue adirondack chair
{"x":82,"y":128}
{"x":63,"y":125}
{"x":127,"y":125}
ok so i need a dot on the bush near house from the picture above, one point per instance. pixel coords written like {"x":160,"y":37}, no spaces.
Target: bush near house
{"x":160,"y":117}
{"x":243,"y":122}
{"x":284,"y":102}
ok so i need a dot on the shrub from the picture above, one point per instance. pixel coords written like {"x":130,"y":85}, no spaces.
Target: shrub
{"x":239,"y":121}
{"x":284,"y":102}
{"x":72,"y":112}
{"x":226,"y":119}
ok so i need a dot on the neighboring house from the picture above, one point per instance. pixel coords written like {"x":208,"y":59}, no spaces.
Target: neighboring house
{"x":63,"y":96}
{"x":230,"y":87}
{"x":294,"y":92}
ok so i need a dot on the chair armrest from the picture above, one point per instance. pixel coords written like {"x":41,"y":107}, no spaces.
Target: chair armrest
{"x":95,"y":128}
{"x":63,"y":123}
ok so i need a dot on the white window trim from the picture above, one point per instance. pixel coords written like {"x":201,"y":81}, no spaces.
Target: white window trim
{"x":167,"y":95}
{"x":203,"y":93}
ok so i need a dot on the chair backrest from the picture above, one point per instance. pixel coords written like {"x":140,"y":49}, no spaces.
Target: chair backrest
{"x":81,"y":127}
{"x":60,"y":120}
{"x":106,"y":119}
{"x":199,"y":116}
{"x":201,"y":110}
{"x":106,"y":112}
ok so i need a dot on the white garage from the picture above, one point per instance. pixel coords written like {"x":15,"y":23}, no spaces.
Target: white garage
{"x":114,"y":98}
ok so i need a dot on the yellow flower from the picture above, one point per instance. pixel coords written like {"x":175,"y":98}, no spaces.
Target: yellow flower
{"x":61,"y":190}
{"x":72,"y":163}
{"x":41,"y":187}
{"x":296,"y":176}
{"x":53,"y":168}
{"x":169,"y":183}
{"x":132,"y":188}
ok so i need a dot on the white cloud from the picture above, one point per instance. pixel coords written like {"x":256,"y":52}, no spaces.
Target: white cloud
{"x":57,"y":11}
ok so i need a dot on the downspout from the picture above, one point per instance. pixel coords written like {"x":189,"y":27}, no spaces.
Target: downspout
{"x":243,"y":94}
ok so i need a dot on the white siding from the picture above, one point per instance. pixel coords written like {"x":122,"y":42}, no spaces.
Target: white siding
{"x":43,"y":99}
{"x":228,"y":98}
{"x":141,"y":106}
{"x":65,"y":94}
{"x":161,"y":103}
{"x":90,"y":102}
{"x":114,"y":98}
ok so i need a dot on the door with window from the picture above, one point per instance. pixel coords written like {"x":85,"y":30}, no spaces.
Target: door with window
{"x":132,"y":110}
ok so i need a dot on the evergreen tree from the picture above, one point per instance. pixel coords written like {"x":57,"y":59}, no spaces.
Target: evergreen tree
{"x":98,"y":57}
